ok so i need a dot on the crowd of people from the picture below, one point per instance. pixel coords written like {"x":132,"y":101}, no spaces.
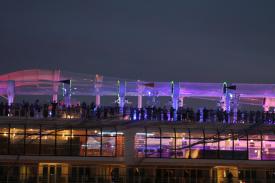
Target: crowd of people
{"x":57,"y":110}
{"x":200,"y":115}
{"x":91,"y":111}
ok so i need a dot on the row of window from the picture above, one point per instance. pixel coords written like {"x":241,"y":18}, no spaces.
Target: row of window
{"x":210,"y":145}
{"x":61,"y":142}
{"x":154,"y":143}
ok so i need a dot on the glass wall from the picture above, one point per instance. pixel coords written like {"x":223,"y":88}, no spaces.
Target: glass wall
{"x":54,"y":141}
{"x":226,"y":145}
{"x":204,"y":144}
{"x":182,"y":143}
{"x":140,"y":144}
{"x":196,"y":144}
{"x":240,"y":146}
{"x":254,"y":147}
{"x":16,"y":140}
{"x":153,"y":146}
{"x":32,"y":141}
{"x":211,"y":144}
{"x":268,"y":147}
{"x":48,"y":143}
{"x":168,"y":144}
{"x":4,"y":139}
{"x":63,"y":142}
{"x":93,"y":147}
{"x":108,"y":143}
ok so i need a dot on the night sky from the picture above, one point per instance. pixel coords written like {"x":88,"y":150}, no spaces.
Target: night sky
{"x":198,"y":40}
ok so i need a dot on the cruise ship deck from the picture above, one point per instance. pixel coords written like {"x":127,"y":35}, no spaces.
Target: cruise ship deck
{"x":66,"y":141}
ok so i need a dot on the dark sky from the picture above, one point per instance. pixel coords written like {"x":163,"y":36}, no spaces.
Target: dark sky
{"x":198,"y":40}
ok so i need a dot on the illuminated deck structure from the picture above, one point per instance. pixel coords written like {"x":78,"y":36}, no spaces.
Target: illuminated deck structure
{"x":57,"y":83}
{"x":120,"y":150}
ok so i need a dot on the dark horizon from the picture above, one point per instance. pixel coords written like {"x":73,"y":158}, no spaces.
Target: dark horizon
{"x":182,"y":41}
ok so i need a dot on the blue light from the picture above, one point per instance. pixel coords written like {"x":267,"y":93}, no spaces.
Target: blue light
{"x":135,"y":115}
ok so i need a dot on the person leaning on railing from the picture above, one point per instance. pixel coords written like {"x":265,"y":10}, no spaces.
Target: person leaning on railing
{"x":37,"y":110}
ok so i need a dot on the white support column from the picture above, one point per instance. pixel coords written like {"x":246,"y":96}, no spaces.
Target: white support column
{"x":97,"y":100}
{"x":68,"y":93}
{"x":56,"y":79}
{"x":235,"y":106}
{"x":175,"y":94}
{"x":266,"y":108}
{"x":121,"y":94}
{"x":268,"y":102}
{"x":139,"y":101}
{"x":11,"y":91}
{"x":181,"y":99}
{"x":225,"y":101}
{"x":98,"y":85}
{"x":140,"y":90}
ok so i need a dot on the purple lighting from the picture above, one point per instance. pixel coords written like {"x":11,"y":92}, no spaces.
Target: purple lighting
{"x":46,"y":82}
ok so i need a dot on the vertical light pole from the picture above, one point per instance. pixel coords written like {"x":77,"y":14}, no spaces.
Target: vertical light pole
{"x":67,"y":92}
{"x":98,"y":85}
{"x":121,"y":94}
{"x":11,"y":91}
{"x":56,"y":78}
{"x":235,"y":107}
{"x":140,"y":90}
{"x":225,"y":101}
{"x":175,"y":94}
{"x":227,"y":97}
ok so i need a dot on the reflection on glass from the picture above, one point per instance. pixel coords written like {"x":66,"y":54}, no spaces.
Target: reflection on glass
{"x":48,"y":145}
{"x":63,"y":145}
{"x":78,"y":145}
{"x":182,"y":145}
{"x":182,"y":148}
{"x":140,"y":140}
{"x":240,"y":148}
{"x":196,"y":146}
{"x":93,"y":146}
{"x":16,"y":144}
{"x":63,"y":142}
{"x":32,"y":144}
{"x":168,"y":147}
{"x":268,"y":150}
{"x":224,"y":146}
{"x":108,"y":146}
{"x":4,"y":140}
{"x":153,"y":147}
{"x":254,"y":149}
{"x":211,"y":148}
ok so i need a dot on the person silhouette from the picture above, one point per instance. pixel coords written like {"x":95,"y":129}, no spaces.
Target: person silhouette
{"x":229,"y":177}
